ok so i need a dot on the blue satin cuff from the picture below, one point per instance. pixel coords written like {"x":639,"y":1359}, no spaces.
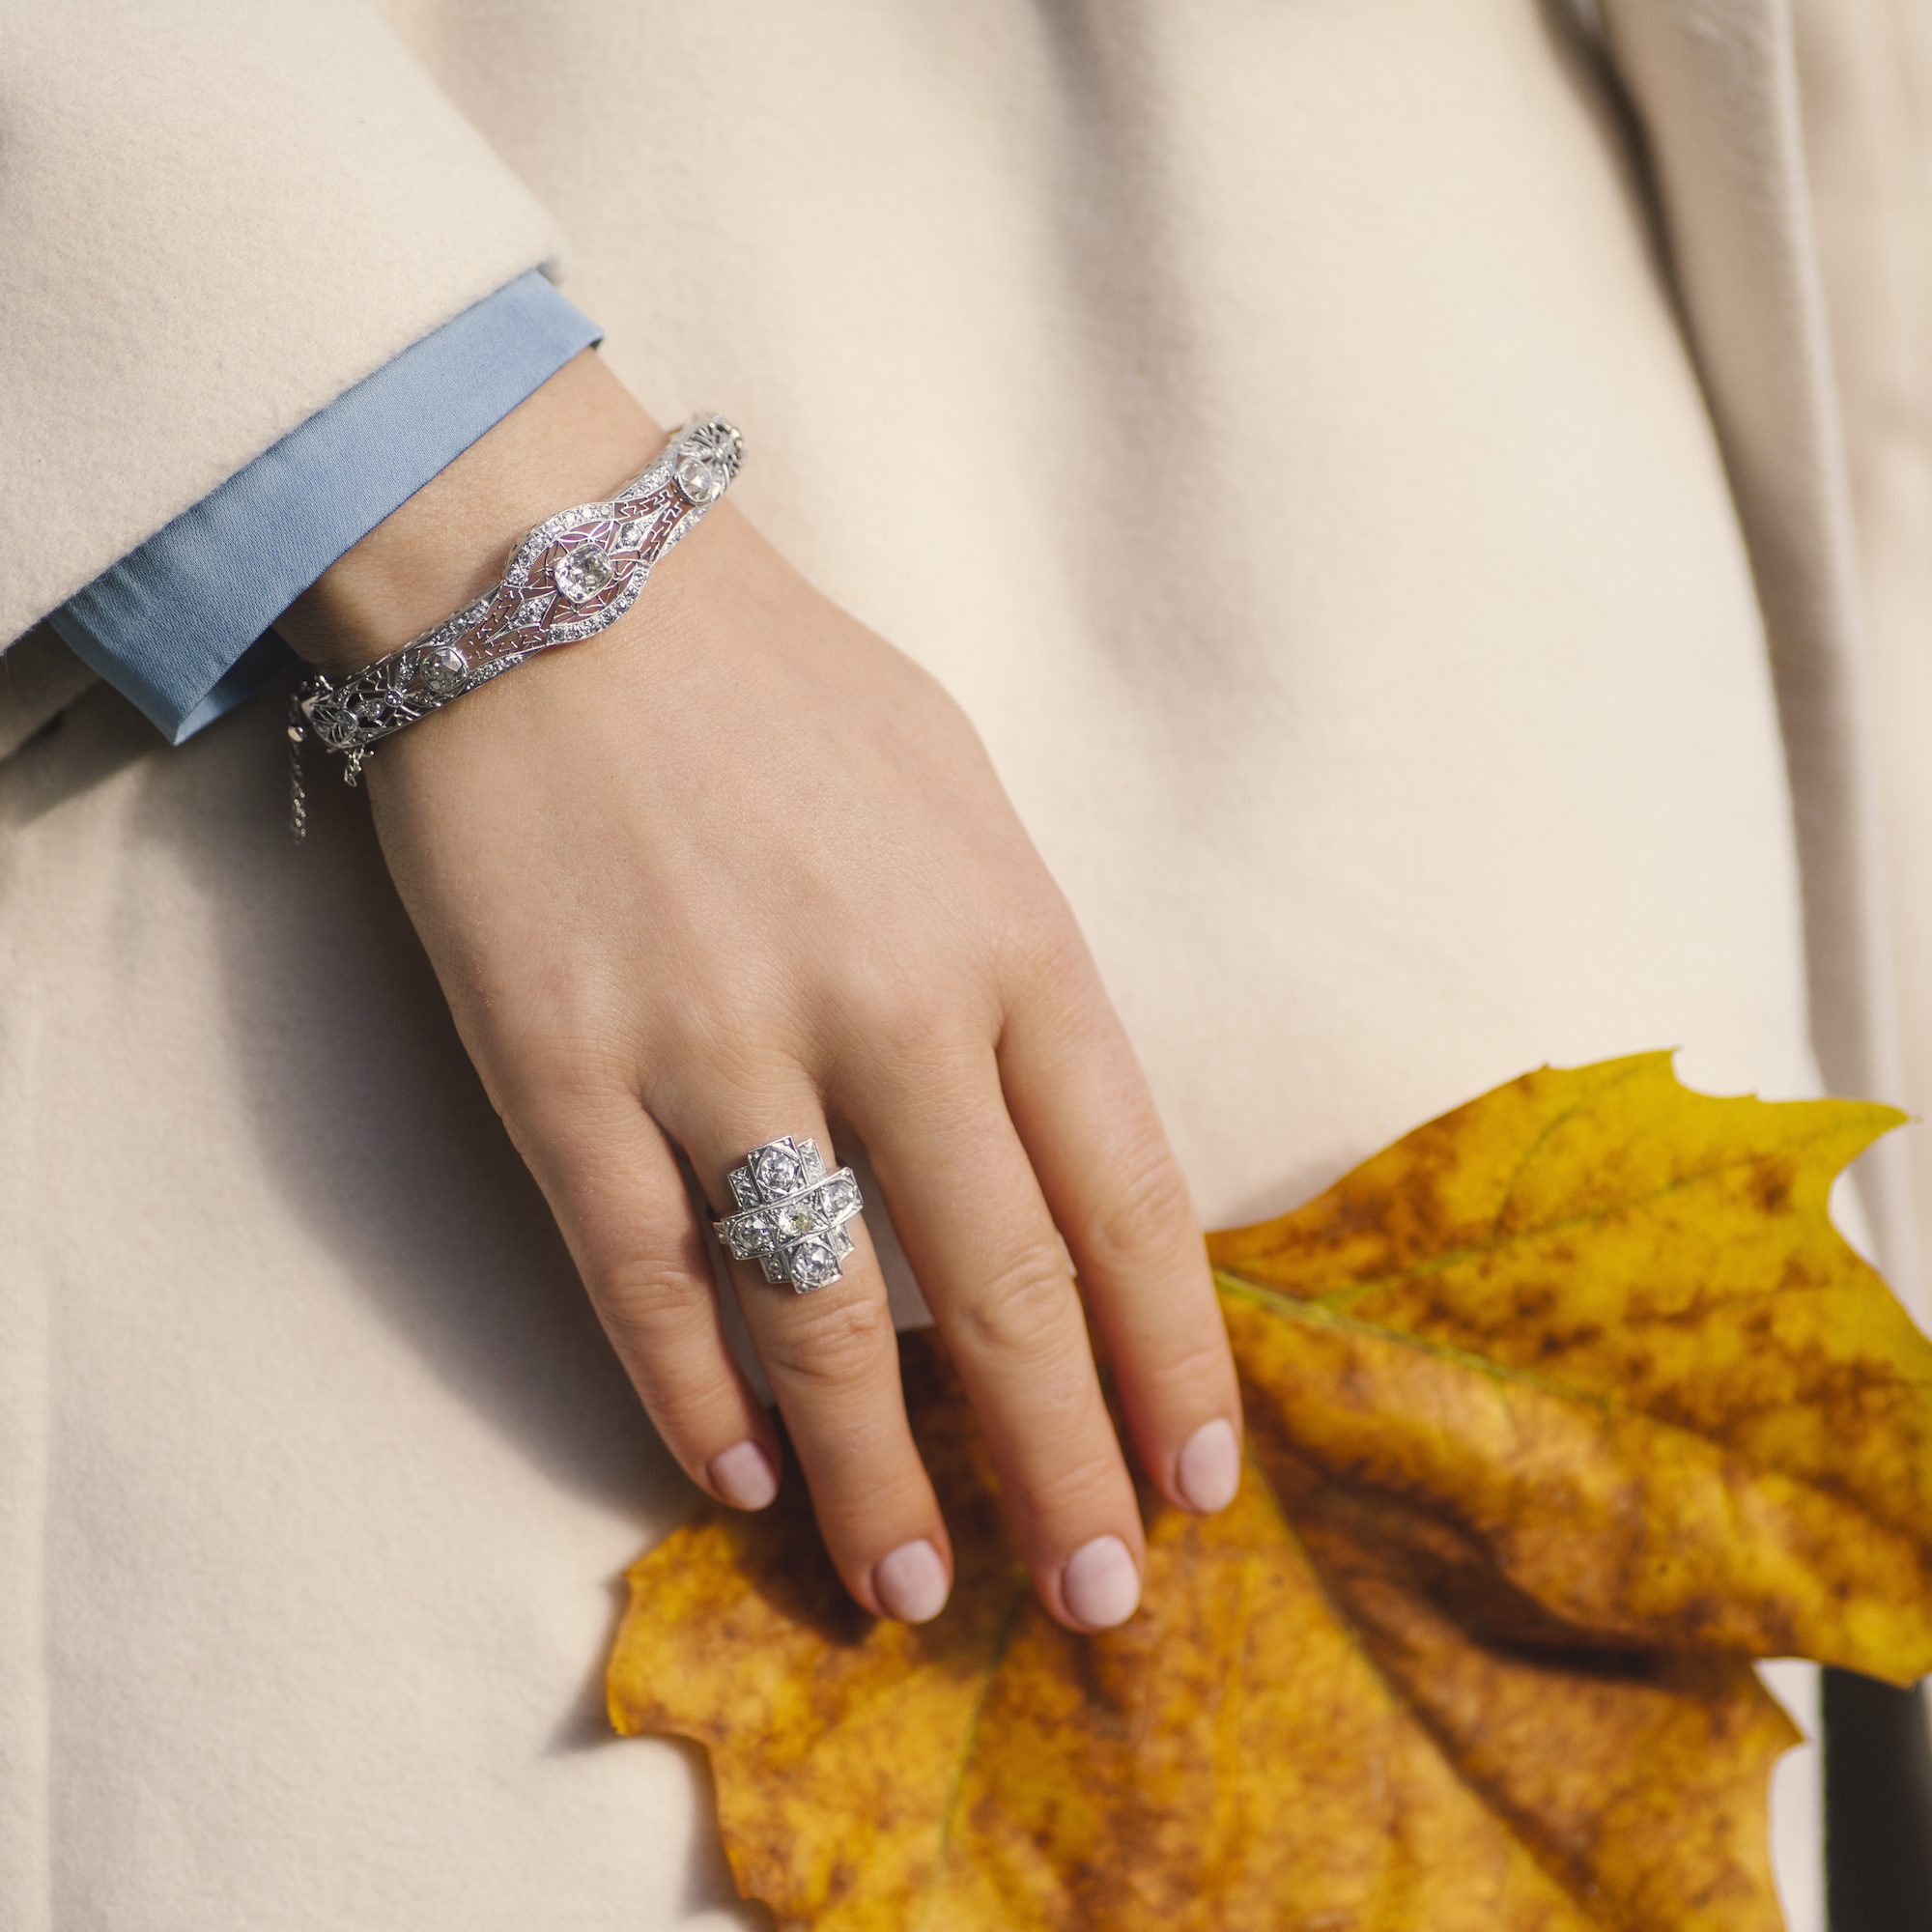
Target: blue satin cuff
{"x":182,"y":625}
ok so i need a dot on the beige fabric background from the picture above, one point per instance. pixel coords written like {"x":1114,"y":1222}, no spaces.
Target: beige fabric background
{"x":1275,"y":421}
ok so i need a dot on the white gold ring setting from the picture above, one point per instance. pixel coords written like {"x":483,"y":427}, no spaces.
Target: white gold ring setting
{"x":791,"y":1214}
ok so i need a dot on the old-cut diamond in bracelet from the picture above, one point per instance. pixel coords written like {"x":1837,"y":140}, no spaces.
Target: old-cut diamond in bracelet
{"x":574,"y":575}
{"x":791,"y":1214}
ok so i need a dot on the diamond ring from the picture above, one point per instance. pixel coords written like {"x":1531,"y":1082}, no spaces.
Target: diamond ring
{"x":791,"y":1214}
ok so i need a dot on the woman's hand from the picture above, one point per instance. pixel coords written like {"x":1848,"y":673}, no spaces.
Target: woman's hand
{"x":736,"y":868}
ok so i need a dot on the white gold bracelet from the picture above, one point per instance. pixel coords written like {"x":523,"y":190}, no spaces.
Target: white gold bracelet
{"x":574,"y":575}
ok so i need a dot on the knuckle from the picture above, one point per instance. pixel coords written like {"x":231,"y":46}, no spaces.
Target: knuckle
{"x":851,"y":1519}
{"x":1197,"y":1369}
{"x":1077,"y":1491}
{"x":707,"y":1054}
{"x":553,"y":1062}
{"x":902,"y":1025}
{"x":1202,"y":1364}
{"x":662,"y":1324}
{"x":645,"y":1305}
{"x":1148,"y":1212}
{"x":1024,"y":1310}
{"x":832,"y":1347}
{"x":1041,"y":948}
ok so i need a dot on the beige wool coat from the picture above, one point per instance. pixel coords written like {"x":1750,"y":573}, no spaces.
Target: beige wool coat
{"x":1379,"y":477}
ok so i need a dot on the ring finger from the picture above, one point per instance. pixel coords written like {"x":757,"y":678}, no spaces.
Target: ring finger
{"x":831,"y":1356}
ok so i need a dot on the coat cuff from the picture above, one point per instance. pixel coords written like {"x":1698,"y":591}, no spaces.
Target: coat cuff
{"x":182,"y":625}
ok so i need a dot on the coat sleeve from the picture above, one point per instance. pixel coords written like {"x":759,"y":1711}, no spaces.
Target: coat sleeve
{"x":181,"y":625}
{"x":215,"y":216}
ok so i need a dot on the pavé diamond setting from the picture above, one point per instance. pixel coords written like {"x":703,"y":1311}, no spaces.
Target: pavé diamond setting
{"x":791,"y":1214}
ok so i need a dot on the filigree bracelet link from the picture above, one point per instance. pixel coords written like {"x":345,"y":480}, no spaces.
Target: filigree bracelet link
{"x":576,"y":574}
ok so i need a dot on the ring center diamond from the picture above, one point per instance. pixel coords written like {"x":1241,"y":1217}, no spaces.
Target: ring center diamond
{"x":791,"y":1214}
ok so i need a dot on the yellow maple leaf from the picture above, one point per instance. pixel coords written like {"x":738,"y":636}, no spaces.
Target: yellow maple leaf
{"x":1561,"y":1409}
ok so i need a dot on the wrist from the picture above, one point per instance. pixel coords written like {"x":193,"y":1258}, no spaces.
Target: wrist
{"x":573,"y":441}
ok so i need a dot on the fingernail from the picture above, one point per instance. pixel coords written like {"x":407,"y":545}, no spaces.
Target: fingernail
{"x":1100,"y":1585}
{"x":1209,"y":1469}
{"x":743,"y":1475}
{"x":911,"y":1583}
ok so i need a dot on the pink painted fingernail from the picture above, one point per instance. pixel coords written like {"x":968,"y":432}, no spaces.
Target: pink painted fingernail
{"x":1100,"y":1585}
{"x":743,"y":1475}
{"x":911,"y":1583}
{"x":1209,"y":1471}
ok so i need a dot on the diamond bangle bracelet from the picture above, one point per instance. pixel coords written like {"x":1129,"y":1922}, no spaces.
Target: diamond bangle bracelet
{"x":575,"y":574}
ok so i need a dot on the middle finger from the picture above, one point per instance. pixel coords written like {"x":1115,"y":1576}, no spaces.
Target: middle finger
{"x":975,"y":1226}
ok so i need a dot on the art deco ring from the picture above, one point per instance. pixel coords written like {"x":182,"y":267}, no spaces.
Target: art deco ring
{"x":791,"y":1214}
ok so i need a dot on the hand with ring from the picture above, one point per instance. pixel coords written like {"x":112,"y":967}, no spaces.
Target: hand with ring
{"x":734,"y":879}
